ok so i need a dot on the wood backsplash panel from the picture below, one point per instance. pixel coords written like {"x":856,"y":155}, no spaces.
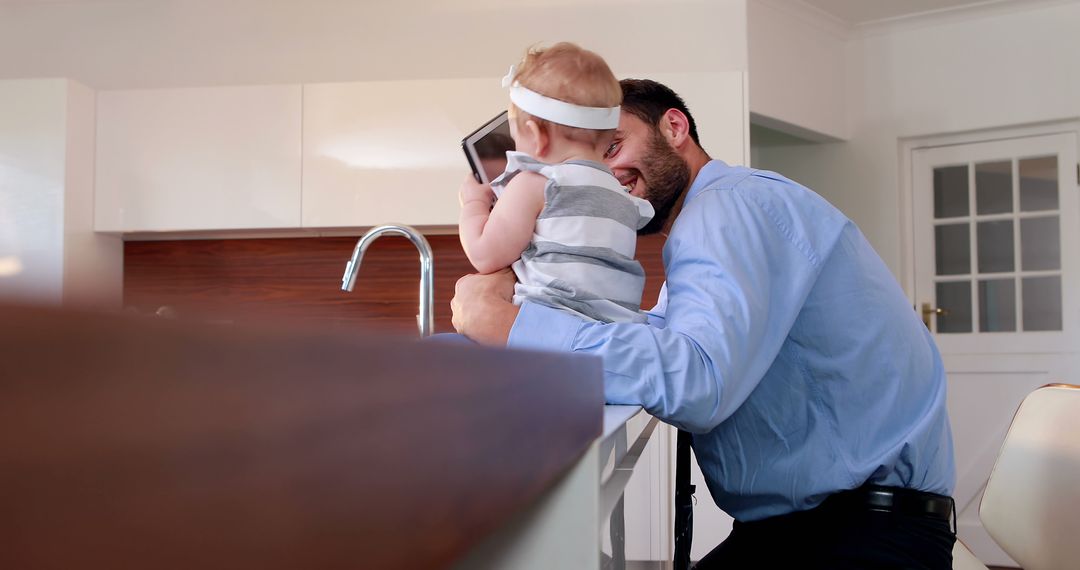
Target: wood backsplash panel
{"x":300,"y":279}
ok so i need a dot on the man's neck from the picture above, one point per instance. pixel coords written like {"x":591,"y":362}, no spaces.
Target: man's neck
{"x":696,"y":160}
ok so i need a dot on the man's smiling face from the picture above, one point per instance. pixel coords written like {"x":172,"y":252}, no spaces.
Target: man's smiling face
{"x":645,"y":162}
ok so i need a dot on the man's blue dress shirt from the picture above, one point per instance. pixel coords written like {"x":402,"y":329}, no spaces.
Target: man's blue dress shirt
{"x":783,"y":343}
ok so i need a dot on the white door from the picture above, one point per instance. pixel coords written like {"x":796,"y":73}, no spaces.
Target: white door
{"x":996,"y":248}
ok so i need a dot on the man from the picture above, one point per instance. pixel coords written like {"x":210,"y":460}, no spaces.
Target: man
{"x":781,"y":341}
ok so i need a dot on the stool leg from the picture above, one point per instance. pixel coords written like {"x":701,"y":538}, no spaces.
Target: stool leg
{"x":684,"y":506}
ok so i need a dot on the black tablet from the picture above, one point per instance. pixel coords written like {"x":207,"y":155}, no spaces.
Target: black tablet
{"x":486,"y":148}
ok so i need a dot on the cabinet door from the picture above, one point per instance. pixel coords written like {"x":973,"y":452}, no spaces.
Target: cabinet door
{"x":216,"y":158}
{"x":390,"y":151}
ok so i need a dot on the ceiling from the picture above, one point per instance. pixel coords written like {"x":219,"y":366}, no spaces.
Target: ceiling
{"x":857,"y":12}
{"x":853,"y":12}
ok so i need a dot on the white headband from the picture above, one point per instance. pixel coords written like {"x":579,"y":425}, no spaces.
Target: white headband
{"x":561,"y":112}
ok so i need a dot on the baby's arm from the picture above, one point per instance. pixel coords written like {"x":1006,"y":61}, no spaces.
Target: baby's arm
{"x":493,"y":238}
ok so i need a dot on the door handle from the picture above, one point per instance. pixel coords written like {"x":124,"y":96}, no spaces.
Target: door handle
{"x":927,"y":310}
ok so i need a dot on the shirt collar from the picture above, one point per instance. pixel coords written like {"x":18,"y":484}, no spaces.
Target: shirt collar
{"x":711,"y":172}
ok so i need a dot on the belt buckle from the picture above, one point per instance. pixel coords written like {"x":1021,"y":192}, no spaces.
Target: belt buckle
{"x":883,"y":500}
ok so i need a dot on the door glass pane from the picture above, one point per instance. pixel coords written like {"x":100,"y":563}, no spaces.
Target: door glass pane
{"x":993,"y":187}
{"x":1041,"y":299}
{"x":997,"y":305}
{"x":952,"y":247}
{"x":1038,"y":184}
{"x":1040,"y":244}
{"x":951,"y":191}
{"x":995,"y":246}
{"x":955,"y":299}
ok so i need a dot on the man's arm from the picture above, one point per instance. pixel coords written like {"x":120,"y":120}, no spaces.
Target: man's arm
{"x":736,"y":282}
{"x":483,"y":308}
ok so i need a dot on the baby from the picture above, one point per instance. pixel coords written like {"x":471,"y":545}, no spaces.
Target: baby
{"x":562,"y":219}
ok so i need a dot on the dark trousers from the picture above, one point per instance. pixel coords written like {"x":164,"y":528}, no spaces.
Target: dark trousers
{"x":838,"y":534}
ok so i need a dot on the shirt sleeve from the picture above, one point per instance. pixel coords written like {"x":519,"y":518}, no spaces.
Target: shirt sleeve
{"x":738,"y":274}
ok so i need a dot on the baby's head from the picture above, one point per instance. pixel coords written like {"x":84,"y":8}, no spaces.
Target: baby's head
{"x":571,"y":74}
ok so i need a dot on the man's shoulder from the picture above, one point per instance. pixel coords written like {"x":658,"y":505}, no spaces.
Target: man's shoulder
{"x":763,"y":187}
{"x":719,"y":176}
{"x":738,"y":195}
{"x":772,"y":190}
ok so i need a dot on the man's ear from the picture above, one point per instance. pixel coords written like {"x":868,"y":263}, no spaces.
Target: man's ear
{"x":675,"y":127}
{"x":540,"y":135}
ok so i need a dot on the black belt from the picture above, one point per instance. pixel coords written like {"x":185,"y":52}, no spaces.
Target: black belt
{"x":894,"y":500}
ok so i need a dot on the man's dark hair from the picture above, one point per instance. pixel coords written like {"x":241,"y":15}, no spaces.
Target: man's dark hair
{"x":649,"y":100}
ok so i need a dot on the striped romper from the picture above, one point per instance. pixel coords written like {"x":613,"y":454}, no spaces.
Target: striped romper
{"x":581,"y":256}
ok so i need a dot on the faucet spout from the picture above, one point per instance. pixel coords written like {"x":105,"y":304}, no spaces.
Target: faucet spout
{"x":425,"y":319}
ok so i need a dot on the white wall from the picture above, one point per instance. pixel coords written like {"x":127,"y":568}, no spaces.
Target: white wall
{"x":797,"y":69}
{"x":48,"y":251}
{"x":985,"y":71}
{"x":124,"y":44}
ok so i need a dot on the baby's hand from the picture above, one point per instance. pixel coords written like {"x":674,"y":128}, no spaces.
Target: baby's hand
{"x":471,"y":190}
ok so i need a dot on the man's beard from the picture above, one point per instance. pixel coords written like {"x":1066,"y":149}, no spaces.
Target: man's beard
{"x":666,"y":176}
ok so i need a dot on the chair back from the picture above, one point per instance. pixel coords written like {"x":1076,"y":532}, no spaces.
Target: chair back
{"x":1031,"y":506}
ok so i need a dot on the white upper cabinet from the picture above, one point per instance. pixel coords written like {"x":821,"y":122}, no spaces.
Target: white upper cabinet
{"x":219,"y":158}
{"x":324,"y":155}
{"x":390,"y":151}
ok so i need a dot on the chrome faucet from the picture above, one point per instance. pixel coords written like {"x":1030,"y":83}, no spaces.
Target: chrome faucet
{"x":425,"y":319}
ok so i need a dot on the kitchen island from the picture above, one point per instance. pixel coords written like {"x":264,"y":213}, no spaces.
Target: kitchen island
{"x":578,"y":523}
{"x":137,"y":442}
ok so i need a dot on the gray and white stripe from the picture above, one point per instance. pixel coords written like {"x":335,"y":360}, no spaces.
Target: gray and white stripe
{"x":581,"y":257}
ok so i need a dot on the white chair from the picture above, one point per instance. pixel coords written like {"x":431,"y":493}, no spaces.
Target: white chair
{"x":1031,"y":506}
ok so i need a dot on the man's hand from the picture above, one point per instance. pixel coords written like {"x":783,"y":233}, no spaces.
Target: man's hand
{"x":483,"y":308}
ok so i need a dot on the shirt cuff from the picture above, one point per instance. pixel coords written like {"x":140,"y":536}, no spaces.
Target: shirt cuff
{"x":543,"y":328}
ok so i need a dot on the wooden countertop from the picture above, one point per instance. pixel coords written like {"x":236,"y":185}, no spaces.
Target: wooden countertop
{"x":130,"y":442}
